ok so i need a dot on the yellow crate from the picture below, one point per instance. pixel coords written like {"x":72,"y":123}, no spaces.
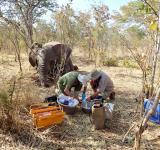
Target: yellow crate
{"x":44,"y":109}
{"x":47,"y":116}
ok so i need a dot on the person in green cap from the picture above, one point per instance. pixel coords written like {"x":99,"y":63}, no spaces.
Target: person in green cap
{"x":73,"y":80}
{"x":101,"y":84}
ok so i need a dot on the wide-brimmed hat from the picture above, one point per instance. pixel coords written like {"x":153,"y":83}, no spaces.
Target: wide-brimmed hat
{"x":95,"y":74}
{"x":84,"y":79}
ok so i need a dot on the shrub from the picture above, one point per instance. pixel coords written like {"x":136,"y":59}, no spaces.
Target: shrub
{"x":11,"y":107}
{"x":129,"y":63}
{"x":6,"y":107}
{"x":111,"y":62}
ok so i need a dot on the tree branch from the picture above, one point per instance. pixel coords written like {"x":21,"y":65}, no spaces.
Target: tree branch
{"x":145,"y":1}
{"x":152,"y":110}
{"x":35,"y":5}
{"x":143,"y":125}
{"x":20,"y":8}
{"x":131,"y":51}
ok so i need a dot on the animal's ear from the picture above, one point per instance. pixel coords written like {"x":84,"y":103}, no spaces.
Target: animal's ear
{"x":32,"y":59}
{"x":75,"y":68}
{"x":39,"y":45}
{"x":36,"y":45}
{"x":32,"y":62}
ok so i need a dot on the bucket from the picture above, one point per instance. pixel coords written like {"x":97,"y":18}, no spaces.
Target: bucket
{"x":69,"y":104}
{"x":68,"y":109}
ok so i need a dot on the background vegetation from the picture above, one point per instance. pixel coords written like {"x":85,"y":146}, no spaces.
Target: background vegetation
{"x":129,"y":38}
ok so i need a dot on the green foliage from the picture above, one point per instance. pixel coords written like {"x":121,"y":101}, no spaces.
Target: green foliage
{"x":17,"y":9}
{"x":111,"y":62}
{"x":135,"y":12}
{"x":65,"y":25}
{"x":123,"y":62}
{"x":44,"y":32}
{"x":23,"y":14}
{"x":129,"y":13}
{"x":136,"y":32}
{"x":153,"y":26}
{"x":128,"y":63}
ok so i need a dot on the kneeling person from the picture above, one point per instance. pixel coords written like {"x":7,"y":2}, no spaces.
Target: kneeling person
{"x":102,"y":84}
{"x":72,"y":80}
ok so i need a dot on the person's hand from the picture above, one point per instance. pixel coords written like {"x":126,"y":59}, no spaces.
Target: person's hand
{"x":92,"y":97}
{"x":67,"y":92}
{"x":75,"y":97}
{"x":88,"y":98}
{"x":83,"y":89}
{"x":95,"y":94}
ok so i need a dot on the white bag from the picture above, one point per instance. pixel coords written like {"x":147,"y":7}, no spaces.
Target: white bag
{"x":72,"y":102}
{"x":108,"y":107}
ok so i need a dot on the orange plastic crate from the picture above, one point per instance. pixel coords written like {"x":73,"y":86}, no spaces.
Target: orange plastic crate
{"x":47,"y":116}
{"x":44,"y":109}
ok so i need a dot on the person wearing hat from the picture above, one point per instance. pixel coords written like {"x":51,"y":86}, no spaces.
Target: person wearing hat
{"x":71,"y":80}
{"x":101,"y":84}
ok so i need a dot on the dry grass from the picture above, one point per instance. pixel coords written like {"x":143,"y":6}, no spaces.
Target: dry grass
{"x":76,"y":132}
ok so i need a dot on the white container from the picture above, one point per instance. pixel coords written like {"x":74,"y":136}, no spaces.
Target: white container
{"x":108,"y":107}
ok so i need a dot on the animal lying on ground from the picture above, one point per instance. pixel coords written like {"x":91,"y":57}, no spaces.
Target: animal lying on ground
{"x":51,"y":60}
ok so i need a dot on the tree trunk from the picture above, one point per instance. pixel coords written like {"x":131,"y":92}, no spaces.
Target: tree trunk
{"x":30,"y":35}
{"x":143,"y":125}
{"x":154,"y":65}
{"x":145,"y":120}
{"x":15,"y":42}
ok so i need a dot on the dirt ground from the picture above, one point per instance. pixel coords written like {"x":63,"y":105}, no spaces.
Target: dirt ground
{"x":77,"y":131}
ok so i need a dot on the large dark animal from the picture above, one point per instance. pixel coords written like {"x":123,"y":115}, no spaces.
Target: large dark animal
{"x":51,"y":59}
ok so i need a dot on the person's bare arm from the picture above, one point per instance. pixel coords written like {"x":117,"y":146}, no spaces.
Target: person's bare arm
{"x":94,"y":95}
{"x":84,"y":89}
{"x":97,"y":92}
{"x":67,"y":92}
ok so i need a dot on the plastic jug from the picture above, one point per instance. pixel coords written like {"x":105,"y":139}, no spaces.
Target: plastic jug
{"x":84,"y":103}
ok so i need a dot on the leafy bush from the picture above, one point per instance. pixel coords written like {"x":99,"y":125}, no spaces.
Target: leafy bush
{"x":129,"y":63}
{"x":111,"y":62}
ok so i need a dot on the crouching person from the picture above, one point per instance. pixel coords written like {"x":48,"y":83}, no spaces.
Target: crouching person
{"x":101,"y":84}
{"x":72,"y":80}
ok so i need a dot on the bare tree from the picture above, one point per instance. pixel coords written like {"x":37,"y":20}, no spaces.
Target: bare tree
{"x":156,"y":52}
{"x":144,"y":121}
{"x":15,"y":41}
{"x":22,"y":14}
